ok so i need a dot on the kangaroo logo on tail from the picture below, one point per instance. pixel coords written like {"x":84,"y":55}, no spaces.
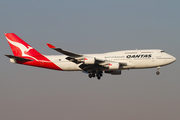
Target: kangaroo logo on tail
{"x":29,"y":48}
{"x":24,"y":50}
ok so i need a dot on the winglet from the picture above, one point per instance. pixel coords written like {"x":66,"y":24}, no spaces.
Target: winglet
{"x":50,"y":46}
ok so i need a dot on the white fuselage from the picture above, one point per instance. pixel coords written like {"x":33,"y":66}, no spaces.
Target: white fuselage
{"x":135,"y":59}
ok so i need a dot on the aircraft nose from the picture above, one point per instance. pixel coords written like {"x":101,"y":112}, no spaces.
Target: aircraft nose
{"x":170,"y":59}
{"x":174,"y":59}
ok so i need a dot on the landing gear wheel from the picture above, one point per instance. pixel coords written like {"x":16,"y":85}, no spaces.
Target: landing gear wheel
{"x":98,"y":76}
{"x":157,"y":73}
{"x":90,"y":75}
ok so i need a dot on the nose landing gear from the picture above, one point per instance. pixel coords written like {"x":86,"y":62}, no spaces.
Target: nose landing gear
{"x":157,"y":73}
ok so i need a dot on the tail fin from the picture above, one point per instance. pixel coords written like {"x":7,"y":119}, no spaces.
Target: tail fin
{"x":19,"y":47}
{"x":25,"y":54}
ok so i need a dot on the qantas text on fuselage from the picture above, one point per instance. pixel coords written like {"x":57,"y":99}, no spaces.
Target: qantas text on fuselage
{"x":139,"y":56}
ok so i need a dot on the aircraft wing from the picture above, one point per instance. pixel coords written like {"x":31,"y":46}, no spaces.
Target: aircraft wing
{"x":72,"y":56}
{"x":68,"y":53}
{"x":89,"y":63}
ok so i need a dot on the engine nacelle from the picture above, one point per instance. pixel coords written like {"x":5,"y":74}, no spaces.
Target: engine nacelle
{"x":12,"y":60}
{"x":116,"y":72}
{"x":114,"y":66}
{"x":89,"y":60}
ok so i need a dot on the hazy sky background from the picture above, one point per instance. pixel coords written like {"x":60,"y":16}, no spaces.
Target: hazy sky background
{"x":90,"y":26}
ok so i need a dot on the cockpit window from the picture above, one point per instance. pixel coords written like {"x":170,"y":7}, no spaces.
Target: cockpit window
{"x":162,"y":51}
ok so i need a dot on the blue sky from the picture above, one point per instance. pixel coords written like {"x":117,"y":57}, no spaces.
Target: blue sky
{"x":94,"y":26}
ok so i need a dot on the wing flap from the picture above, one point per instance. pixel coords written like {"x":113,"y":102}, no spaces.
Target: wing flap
{"x":71,"y":59}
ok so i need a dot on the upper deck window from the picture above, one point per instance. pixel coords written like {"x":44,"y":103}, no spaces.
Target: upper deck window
{"x":162,"y":51}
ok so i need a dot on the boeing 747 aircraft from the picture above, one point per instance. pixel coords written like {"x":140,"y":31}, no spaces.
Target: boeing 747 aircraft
{"x":93,"y":64}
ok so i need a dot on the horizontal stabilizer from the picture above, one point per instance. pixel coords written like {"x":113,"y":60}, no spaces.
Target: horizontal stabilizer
{"x":18,"y":58}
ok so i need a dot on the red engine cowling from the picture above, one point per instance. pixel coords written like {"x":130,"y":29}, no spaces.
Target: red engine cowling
{"x":116,"y":72}
{"x":89,"y":60}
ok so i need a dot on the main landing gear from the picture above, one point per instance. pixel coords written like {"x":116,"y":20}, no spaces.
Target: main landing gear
{"x":97,"y":74}
{"x":157,"y":73}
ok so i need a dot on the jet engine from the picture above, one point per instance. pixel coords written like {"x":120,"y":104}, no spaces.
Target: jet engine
{"x":89,"y":60}
{"x":113,"y":66}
